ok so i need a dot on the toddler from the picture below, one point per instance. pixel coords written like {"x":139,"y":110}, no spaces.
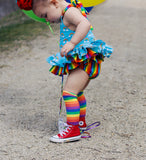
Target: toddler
{"x":80,"y":57}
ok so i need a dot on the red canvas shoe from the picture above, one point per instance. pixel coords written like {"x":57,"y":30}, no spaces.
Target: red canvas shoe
{"x":82,"y":123}
{"x":70,"y":133}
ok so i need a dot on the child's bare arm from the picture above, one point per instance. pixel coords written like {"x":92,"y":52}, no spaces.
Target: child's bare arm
{"x":82,"y":27}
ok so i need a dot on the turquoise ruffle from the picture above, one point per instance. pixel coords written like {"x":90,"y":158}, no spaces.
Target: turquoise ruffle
{"x":99,"y":47}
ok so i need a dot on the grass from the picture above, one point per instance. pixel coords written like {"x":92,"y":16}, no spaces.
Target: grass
{"x":17,"y":28}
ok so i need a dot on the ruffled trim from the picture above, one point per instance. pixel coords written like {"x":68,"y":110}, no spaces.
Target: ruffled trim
{"x":96,"y":51}
{"x":68,"y":67}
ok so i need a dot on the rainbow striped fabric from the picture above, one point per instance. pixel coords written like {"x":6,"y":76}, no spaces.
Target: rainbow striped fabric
{"x":77,"y":4}
{"x":82,"y":102}
{"x":90,"y":63}
{"x":72,"y":107}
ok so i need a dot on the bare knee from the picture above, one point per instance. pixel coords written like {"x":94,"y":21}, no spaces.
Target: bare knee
{"x":76,"y":81}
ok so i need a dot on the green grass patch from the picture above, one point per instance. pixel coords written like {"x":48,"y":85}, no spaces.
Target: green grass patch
{"x":17,"y":28}
{"x":25,"y":31}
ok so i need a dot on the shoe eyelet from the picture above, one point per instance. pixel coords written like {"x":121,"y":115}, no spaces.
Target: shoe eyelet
{"x":81,"y":123}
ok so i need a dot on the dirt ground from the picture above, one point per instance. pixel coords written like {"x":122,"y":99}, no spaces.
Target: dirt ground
{"x":29,"y":94}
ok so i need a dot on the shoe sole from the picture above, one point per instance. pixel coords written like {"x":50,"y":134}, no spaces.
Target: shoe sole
{"x":59,"y":140}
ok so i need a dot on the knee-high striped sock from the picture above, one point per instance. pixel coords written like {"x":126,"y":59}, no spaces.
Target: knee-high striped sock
{"x":72,"y":107}
{"x":82,"y":102}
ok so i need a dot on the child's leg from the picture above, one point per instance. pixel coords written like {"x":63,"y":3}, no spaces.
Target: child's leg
{"x":77,"y":80}
{"x":75,"y":105}
{"x":82,"y":102}
{"x":72,"y":107}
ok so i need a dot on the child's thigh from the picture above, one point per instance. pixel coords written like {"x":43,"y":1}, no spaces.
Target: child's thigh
{"x":76,"y":81}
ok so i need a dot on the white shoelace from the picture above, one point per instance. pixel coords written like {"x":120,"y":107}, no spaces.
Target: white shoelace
{"x":65,"y":129}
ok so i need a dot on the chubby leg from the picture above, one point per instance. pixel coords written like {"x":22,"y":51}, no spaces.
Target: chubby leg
{"x":82,"y":103}
{"x":76,"y":81}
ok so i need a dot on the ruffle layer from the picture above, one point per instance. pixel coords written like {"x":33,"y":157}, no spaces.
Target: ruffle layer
{"x":68,"y":67}
{"x":96,"y":51}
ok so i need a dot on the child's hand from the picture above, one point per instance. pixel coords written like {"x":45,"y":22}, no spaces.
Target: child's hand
{"x":66,"y":48}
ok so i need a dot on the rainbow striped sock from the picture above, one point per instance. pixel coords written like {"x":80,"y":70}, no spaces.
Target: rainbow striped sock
{"x":82,"y":102}
{"x":72,"y":107}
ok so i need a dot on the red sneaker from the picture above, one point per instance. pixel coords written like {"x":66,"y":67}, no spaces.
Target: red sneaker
{"x":70,"y":133}
{"x":82,"y":123}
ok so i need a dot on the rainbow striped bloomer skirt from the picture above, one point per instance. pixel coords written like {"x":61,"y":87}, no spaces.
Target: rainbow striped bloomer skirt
{"x":88,"y":59}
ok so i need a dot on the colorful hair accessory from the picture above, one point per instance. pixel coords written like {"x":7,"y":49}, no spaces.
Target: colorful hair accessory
{"x":28,"y":11}
{"x":25,"y":4}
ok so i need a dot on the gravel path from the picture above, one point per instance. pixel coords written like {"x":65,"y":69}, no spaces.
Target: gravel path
{"x":29,"y":94}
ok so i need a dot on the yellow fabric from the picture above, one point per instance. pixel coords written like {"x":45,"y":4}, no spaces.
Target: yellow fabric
{"x":90,"y":3}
